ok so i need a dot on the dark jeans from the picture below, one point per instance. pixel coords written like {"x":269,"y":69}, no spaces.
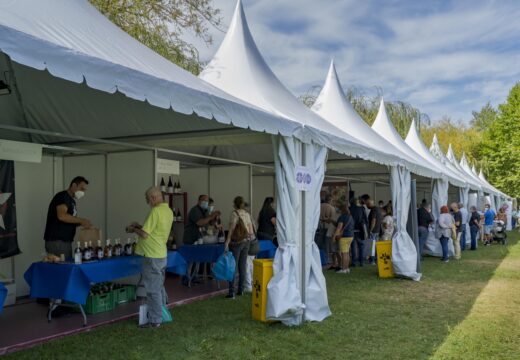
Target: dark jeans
{"x":463,"y":238}
{"x":423,"y":237}
{"x":473,"y":232}
{"x":357,"y":249}
{"x":444,"y":243}
{"x":239,"y":251}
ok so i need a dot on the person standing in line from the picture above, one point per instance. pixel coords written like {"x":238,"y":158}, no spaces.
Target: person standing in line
{"x":374,"y":229}
{"x":62,"y":219}
{"x":360,"y":231}
{"x":446,"y":224}
{"x":241,"y":232}
{"x":344,"y":236}
{"x":328,"y":217}
{"x":387,"y":224}
{"x":424,"y":220}
{"x":457,"y":217}
{"x":151,"y":245}
{"x":267,"y":220}
{"x":489,"y":218}
{"x":474,"y":226}
{"x":463,"y":224}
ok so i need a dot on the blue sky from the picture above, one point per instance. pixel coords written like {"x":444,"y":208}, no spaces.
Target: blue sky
{"x":444,"y":57}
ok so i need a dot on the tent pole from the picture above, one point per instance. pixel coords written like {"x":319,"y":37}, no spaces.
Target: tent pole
{"x":303,"y":233}
{"x":415,"y":227}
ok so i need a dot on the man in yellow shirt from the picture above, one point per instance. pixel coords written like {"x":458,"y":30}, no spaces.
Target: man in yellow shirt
{"x":153,"y":235}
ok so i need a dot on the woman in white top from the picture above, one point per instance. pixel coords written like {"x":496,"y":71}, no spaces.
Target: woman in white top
{"x":241,"y":232}
{"x":446,"y":224}
{"x":388,"y":224}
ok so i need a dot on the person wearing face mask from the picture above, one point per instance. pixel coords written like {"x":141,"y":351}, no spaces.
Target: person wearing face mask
{"x":198,"y":217}
{"x":151,"y":245}
{"x":62,"y":219}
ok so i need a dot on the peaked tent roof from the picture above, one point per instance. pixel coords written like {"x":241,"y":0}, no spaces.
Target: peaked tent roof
{"x":332,"y":105}
{"x":239,"y":69}
{"x":484,"y":180}
{"x":386,"y":130}
{"x":71,"y":40}
{"x":435,"y":150}
{"x":414,"y":141}
{"x":465,"y":166}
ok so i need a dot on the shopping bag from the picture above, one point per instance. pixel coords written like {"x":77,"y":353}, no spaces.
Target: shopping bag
{"x":166,"y":315}
{"x":143,"y":314}
{"x":224,"y":268}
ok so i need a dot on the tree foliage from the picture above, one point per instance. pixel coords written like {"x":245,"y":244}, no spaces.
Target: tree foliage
{"x":483,"y":119}
{"x":501,"y":146}
{"x":400,"y":113}
{"x":463,"y":138}
{"x":160,"y":25}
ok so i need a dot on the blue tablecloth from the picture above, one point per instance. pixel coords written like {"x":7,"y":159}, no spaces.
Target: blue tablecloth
{"x":72,"y":282}
{"x":3,"y":295}
{"x":210,"y":253}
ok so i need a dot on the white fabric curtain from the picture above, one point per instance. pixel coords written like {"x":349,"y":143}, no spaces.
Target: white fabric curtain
{"x":473,"y":200}
{"x":316,"y":301}
{"x":439,"y":198}
{"x":464,"y":199}
{"x":284,"y":300}
{"x":404,"y":252}
{"x":509,"y":210}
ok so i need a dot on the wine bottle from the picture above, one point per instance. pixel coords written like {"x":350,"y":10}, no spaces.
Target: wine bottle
{"x":179,"y":189}
{"x":128,"y":248}
{"x":176,"y":188}
{"x":86,"y":252}
{"x":163,"y":185}
{"x":174,"y":215}
{"x":99,"y":250}
{"x":134,"y":244}
{"x":77,"y":254}
{"x":117,"y":248}
{"x":179,"y":216}
{"x":91,"y":250}
{"x":108,"y":250}
{"x":170,"y":186}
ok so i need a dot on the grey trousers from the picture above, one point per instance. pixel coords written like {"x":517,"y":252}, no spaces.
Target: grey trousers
{"x":153,"y":280}
{"x":239,"y":251}
{"x":58,"y":247}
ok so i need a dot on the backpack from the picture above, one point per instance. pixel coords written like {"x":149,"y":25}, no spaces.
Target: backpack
{"x":240,"y":233}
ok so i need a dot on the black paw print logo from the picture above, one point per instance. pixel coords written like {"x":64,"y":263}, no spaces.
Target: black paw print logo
{"x":385,"y":257}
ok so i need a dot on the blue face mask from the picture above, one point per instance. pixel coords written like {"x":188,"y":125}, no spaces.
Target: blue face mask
{"x":204,"y":205}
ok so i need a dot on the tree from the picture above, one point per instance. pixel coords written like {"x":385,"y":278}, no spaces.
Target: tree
{"x":483,"y":119}
{"x":160,"y":24}
{"x":501,"y":146}
{"x":463,"y":138}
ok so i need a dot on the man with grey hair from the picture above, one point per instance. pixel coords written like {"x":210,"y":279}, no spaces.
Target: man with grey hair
{"x":464,"y":223}
{"x":153,"y":235}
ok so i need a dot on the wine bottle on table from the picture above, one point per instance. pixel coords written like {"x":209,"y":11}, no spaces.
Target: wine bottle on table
{"x":91,"y":250}
{"x":170,"y":186}
{"x":108,"y":250}
{"x":134,"y":244}
{"x":99,"y":250}
{"x":128,"y":248}
{"x":77,"y":254}
{"x":117,"y":248}
{"x":86,"y":252}
{"x":174,"y":215}
{"x":163,"y":185}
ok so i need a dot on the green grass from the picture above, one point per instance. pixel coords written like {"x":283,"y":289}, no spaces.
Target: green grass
{"x":460,"y":310}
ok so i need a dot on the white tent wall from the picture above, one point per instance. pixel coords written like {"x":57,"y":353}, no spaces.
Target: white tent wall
{"x":195,"y":182}
{"x":404,"y":252}
{"x":32,"y":200}
{"x":93,"y":205}
{"x":473,"y":200}
{"x":439,"y":198}
{"x":383,"y":193}
{"x":509,"y":215}
{"x":227,"y":182}
{"x":129,"y":174}
{"x":263,"y":186}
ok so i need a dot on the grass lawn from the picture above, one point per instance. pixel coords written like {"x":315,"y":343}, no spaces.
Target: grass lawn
{"x":460,"y":310}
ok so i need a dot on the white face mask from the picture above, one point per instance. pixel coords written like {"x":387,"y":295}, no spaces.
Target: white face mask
{"x":79,"y":194}
{"x":210,"y":209}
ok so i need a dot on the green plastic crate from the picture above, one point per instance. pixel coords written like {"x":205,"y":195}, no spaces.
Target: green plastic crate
{"x":99,"y":303}
{"x":124,"y":294}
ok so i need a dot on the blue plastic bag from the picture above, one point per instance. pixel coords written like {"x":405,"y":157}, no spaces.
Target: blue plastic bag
{"x":224,"y":268}
{"x":166,"y":315}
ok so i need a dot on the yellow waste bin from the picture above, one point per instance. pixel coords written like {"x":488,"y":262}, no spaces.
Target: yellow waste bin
{"x":384,"y":259}
{"x":262,"y":274}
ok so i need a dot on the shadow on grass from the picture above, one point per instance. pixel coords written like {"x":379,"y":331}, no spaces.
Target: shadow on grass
{"x":372,"y":319}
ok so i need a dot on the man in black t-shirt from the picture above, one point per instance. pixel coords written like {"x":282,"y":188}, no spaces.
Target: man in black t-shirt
{"x":62,"y":219}
{"x":198,"y":217}
{"x":360,"y":231}
{"x":424,"y":220}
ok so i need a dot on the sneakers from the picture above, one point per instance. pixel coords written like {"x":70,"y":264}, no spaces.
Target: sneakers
{"x":446,"y":261}
{"x":150,"y":325}
{"x":230,"y":296}
{"x":343,"y":271}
